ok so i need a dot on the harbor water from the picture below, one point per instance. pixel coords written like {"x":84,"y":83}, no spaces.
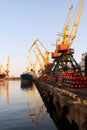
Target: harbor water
{"x":23,"y":108}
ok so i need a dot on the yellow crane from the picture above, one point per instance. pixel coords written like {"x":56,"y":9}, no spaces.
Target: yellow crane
{"x":7,"y":66}
{"x":65,"y":35}
{"x":68,"y":38}
{"x":45,"y":57}
{"x":76,"y":23}
{"x":39,"y":62}
{"x":65,"y":61}
{"x":66,"y":29}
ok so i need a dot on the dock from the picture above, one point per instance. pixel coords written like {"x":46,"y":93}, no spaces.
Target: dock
{"x":62,"y":82}
{"x":69,"y":104}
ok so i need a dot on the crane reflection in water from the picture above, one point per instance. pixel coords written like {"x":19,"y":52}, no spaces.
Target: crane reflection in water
{"x":30,"y":112}
{"x":22,"y":108}
{"x":37,"y":110}
{"x":5,"y":86}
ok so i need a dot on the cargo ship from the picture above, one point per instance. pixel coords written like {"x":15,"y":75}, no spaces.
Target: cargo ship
{"x":26,"y":79}
{"x":2,"y":76}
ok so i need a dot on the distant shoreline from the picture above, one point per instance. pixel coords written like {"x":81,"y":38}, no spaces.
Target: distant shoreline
{"x":12,"y":78}
{"x":9,"y":78}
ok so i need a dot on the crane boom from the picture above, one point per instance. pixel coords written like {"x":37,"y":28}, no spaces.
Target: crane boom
{"x":41,"y":67}
{"x":33,"y":45}
{"x":35,"y":42}
{"x":42,"y":44}
{"x":41,"y":54}
{"x":36,"y":56}
{"x":76,"y":22}
{"x":45,"y":58}
{"x":69,"y":16}
{"x":66,"y":29}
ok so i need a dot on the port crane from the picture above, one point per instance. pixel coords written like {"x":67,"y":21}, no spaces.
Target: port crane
{"x":41,"y":66}
{"x":7,"y":66}
{"x":65,"y":35}
{"x":65,"y":60}
{"x":46,"y":57}
{"x":68,"y":38}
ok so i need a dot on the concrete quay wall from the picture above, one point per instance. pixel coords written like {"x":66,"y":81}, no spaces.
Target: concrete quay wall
{"x":67,"y":106}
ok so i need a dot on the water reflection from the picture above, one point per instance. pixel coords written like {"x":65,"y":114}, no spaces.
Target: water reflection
{"x":26,"y":86}
{"x":22,"y":108}
{"x":4,"y":86}
{"x":37,"y":110}
{"x":37,"y":116}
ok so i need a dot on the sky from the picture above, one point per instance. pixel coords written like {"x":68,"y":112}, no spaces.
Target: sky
{"x":23,"y":21}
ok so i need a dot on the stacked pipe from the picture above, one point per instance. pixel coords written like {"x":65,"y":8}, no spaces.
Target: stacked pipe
{"x":79,"y":82}
{"x":74,"y":80}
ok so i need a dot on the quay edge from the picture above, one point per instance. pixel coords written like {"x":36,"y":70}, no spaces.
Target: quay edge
{"x":62,"y":100}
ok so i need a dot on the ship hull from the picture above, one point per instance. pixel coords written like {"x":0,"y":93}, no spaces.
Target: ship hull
{"x":2,"y":76}
{"x":26,"y":79}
